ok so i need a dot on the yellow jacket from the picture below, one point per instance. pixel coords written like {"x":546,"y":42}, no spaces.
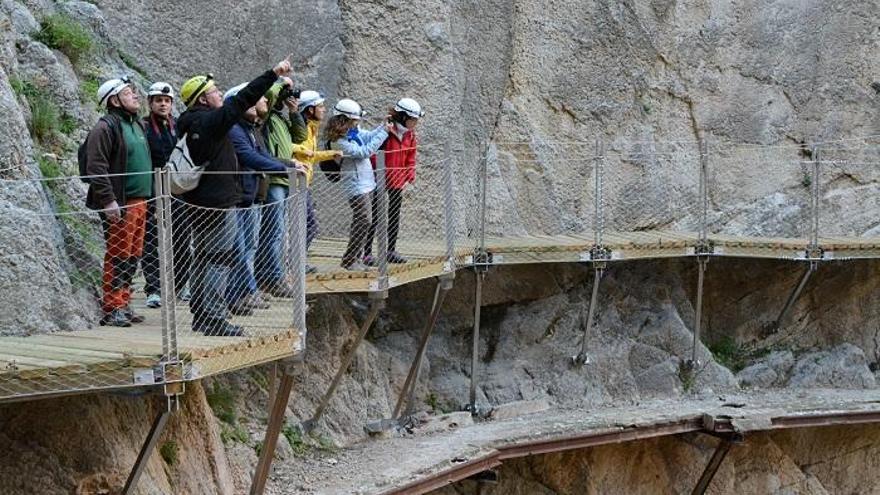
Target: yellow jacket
{"x":300,"y":151}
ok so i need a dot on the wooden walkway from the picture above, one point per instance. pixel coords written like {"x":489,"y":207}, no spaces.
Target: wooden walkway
{"x":103,"y":358}
{"x":106,"y":358}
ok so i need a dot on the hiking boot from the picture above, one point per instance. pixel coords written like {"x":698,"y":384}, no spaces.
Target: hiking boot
{"x":116,"y":318}
{"x":132,"y":316}
{"x":395,"y":257}
{"x":256,"y":301}
{"x":241,"y":307}
{"x":184,"y":295}
{"x":369,"y":260}
{"x":280,"y":289}
{"x":311,"y":269}
{"x":357,"y":266}
{"x":219,"y":328}
{"x":154,"y":301}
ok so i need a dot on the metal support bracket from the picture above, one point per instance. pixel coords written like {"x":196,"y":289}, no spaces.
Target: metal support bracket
{"x":407,"y":394}
{"x":376,"y":304}
{"x":273,"y":430}
{"x":693,"y":363}
{"x":482,"y":260}
{"x":582,"y":357}
{"x":172,"y":404}
{"x":480,"y":276}
{"x":793,"y":297}
{"x":712,"y":467}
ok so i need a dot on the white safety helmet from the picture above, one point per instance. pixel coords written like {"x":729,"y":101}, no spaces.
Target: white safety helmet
{"x":160,"y":89}
{"x":310,"y":98}
{"x":233,"y":91}
{"x":410,"y":107}
{"x":111,"y":87}
{"x":349,"y":108}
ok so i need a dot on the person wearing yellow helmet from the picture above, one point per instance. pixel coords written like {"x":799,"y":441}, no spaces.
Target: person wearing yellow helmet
{"x":206,"y":124}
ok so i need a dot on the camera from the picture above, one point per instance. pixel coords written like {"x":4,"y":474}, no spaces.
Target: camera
{"x":287,"y":93}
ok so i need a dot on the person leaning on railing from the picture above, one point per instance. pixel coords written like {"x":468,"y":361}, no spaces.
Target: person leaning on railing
{"x":358,"y":179}
{"x":242,"y":295}
{"x":118,"y":162}
{"x":280,"y":132}
{"x":206,"y":123}
{"x":400,"y":171}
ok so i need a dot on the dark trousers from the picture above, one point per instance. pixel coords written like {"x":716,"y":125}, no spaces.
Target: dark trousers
{"x":395,"y":198}
{"x":361,"y":217}
{"x":150,"y":259}
{"x":181,"y":249}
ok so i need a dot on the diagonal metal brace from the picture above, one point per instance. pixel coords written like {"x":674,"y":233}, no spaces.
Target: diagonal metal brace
{"x":273,"y":430}
{"x":583,"y":358}
{"x":375,"y":306}
{"x":777,"y":324}
{"x":149,"y":445}
{"x":407,"y":394}
{"x":712,"y":468}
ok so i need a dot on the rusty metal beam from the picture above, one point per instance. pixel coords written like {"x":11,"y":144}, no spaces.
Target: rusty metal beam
{"x":712,"y":468}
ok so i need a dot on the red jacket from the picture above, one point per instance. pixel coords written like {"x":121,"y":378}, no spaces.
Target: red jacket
{"x":400,"y":160}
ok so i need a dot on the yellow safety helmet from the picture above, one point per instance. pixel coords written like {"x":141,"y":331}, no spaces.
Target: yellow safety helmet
{"x":195,"y":87}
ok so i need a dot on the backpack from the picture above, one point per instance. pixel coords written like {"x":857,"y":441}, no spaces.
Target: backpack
{"x":81,"y":152}
{"x":185,"y":175}
{"x":332,"y":167}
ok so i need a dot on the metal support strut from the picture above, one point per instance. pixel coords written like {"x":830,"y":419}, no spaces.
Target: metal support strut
{"x":694,"y":363}
{"x":480,"y":276}
{"x":407,"y":394}
{"x":712,"y":468}
{"x":149,"y":445}
{"x":375,"y":306}
{"x":583,"y":358}
{"x":273,"y":430}
{"x":795,"y":294}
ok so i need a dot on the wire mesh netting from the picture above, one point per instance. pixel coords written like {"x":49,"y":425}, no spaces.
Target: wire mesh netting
{"x":126,"y":296}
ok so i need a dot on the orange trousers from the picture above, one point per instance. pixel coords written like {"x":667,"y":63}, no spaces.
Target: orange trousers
{"x":124,"y":239}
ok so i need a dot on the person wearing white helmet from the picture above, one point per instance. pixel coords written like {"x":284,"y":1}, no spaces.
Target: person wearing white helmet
{"x":117,"y":160}
{"x":358,"y":179}
{"x":312,"y":111}
{"x":400,"y":171}
{"x":159,"y":126}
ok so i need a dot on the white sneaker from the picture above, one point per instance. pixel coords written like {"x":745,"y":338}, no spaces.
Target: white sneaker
{"x":154,"y":301}
{"x":184,"y":295}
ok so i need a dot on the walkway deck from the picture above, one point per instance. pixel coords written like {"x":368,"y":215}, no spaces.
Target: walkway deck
{"x":106,"y":358}
{"x":111,"y":358}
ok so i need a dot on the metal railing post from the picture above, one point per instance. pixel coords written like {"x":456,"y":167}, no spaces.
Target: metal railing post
{"x":164,"y":239}
{"x":296,"y":215}
{"x":484,"y":183}
{"x":814,"y":204}
{"x":599,"y":226}
{"x":448,"y":212}
{"x":382,"y":224}
{"x":704,"y":193}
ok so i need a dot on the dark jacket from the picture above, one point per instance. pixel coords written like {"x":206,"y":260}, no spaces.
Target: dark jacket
{"x":252,"y":155}
{"x":106,"y":154}
{"x":162,"y":139}
{"x":207,"y":131}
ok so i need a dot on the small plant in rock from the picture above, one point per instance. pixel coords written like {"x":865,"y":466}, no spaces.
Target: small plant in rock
{"x":169,"y":452}
{"x":222,"y":402}
{"x":133,"y":65}
{"x":734,"y":356}
{"x":62,"y":33}
{"x":295,"y":439}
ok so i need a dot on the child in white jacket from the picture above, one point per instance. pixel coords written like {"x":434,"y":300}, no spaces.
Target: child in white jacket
{"x":357,"y":177}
